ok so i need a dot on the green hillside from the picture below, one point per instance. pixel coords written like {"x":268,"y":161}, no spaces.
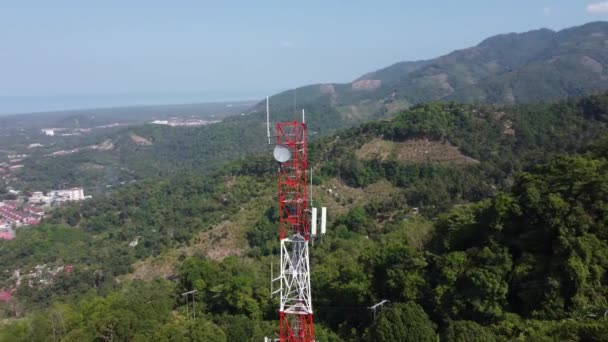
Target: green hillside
{"x":477,"y":223}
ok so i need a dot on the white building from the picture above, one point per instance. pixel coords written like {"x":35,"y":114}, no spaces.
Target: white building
{"x":4,"y":225}
{"x":38,"y":197}
{"x":160,"y":122}
{"x":49,"y":132}
{"x":74,"y":194}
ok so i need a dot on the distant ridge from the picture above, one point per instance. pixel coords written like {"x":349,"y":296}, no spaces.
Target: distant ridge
{"x":512,"y":68}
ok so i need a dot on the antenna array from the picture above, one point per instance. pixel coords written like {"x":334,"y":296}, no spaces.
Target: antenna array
{"x":295,"y":310}
{"x":297,"y":224}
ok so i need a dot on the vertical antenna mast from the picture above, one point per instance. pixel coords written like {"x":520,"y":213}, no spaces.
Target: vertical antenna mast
{"x":268,"y":118}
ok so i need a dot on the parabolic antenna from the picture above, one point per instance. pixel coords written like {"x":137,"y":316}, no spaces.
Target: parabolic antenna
{"x":281,"y":153}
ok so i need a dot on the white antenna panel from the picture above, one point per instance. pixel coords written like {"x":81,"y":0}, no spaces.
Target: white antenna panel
{"x":313,"y":222}
{"x":323,"y":220}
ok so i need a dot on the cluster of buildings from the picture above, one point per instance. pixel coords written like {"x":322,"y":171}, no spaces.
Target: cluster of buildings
{"x":40,"y":275}
{"x":28,"y":211}
{"x":55,"y":197}
{"x":20,"y":213}
{"x":66,"y":132}
{"x":10,"y":163}
{"x":7,"y":169}
{"x":174,"y":122}
{"x":6,"y":233}
{"x":4,"y":171}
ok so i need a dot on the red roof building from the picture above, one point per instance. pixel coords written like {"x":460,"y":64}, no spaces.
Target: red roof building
{"x":31,"y":221}
{"x":7,"y":235}
{"x":5,"y":296}
{"x":30,"y":215}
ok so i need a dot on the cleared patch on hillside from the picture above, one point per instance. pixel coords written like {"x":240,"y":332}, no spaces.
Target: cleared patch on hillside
{"x":366,"y":84}
{"x":327,"y":89}
{"x":414,"y":151}
{"x":139,"y":140}
{"x":354,"y":112}
{"x":592,"y":64}
{"x":220,"y":241}
{"x":148,"y":269}
{"x":442,"y":80}
{"x":339,"y":197}
{"x":397,"y":106}
{"x":104,"y":146}
{"x":225,"y":239}
{"x":359,"y":111}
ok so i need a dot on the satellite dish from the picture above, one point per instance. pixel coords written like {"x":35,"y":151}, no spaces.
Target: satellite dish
{"x":281,"y":153}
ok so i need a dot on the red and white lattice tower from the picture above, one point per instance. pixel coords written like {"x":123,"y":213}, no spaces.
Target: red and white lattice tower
{"x":296,"y":323}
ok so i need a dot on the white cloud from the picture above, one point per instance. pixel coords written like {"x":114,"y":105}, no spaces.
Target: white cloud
{"x":598,"y":8}
{"x":547,"y":11}
{"x":286,"y":44}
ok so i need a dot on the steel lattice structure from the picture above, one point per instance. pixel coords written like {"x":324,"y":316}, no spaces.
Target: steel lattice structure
{"x":296,"y":321}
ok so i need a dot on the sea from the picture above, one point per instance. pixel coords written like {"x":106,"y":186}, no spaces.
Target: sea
{"x":32,"y":104}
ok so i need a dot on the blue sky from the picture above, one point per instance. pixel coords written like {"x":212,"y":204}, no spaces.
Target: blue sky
{"x":241,"y":49}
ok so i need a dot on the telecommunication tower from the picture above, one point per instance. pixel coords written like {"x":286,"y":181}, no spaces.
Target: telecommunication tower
{"x":295,"y":310}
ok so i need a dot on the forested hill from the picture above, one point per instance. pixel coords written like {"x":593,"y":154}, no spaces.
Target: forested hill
{"x":478,"y":224}
{"x":505,"y":69}
{"x":136,"y":153}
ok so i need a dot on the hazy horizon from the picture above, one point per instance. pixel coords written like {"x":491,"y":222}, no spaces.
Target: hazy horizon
{"x":14,"y":105}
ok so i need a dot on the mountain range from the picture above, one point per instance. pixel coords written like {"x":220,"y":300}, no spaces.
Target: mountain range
{"x":506,"y":69}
